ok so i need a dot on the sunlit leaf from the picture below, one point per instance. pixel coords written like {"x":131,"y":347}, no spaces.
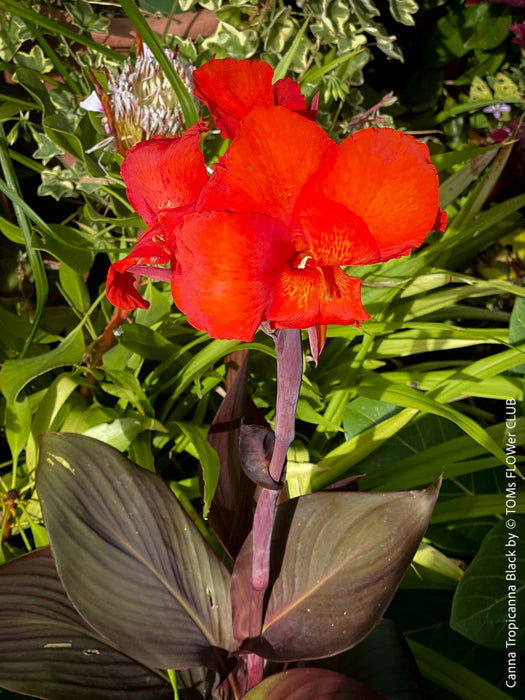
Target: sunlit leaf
{"x":16,"y":374}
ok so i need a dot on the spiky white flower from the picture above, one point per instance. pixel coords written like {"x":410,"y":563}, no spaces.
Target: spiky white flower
{"x":139,"y":101}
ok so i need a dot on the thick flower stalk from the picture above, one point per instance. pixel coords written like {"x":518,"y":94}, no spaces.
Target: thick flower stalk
{"x":139,"y":102}
{"x":266,"y":237}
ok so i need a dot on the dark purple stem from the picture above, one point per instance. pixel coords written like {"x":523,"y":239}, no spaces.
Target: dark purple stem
{"x":289,"y":375}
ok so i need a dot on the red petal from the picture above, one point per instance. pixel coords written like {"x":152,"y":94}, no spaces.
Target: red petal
{"x":275,"y":152}
{"x":164,"y":173}
{"x":287,"y":93}
{"x":334,"y":234}
{"x":121,"y":284}
{"x":302,"y":301}
{"x":121,"y":291}
{"x":231,"y":89}
{"x":440,"y":224}
{"x":386,"y":178}
{"x":227,"y":269}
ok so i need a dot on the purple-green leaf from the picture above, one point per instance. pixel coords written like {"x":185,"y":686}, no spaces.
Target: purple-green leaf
{"x":337,"y":560}
{"x":131,"y":560}
{"x":48,"y":651}
{"x":309,"y":683}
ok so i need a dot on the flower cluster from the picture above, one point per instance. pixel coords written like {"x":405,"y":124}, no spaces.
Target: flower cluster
{"x":139,"y":102}
{"x":265,"y":238}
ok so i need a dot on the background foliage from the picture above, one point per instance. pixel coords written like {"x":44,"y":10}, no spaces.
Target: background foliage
{"x":417,"y":391}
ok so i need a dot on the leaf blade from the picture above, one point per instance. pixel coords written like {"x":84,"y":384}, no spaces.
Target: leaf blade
{"x":330,"y":584}
{"x":117,"y":532}
{"x":47,"y":650}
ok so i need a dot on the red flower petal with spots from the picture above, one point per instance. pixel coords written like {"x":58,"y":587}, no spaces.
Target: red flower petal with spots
{"x":318,"y":296}
{"x":333,"y":233}
{"x":231,"y":89}
{"x":227,"y":270}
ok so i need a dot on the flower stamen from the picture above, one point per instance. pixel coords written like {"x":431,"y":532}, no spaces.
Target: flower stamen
{"x":303,"y":260}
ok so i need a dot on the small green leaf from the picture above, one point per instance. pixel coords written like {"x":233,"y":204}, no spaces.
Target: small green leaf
{"x":479,"y":90}
{"x":232,"y":42}
{"x":490,"y":31}
{"x":128,"y":388}
{"x":35,"y":60}
{"x":36,"y":88}
{"x":15,"y":374}
{"x":121,"y":432}
{"x":86,"y":18}
{"x":505,"y":88}
{"x":208,"y":458}
{"x":49,"y":414}
{"x":402,"y":11}
{"x":17,"y":426}
{"x":74,"y":288}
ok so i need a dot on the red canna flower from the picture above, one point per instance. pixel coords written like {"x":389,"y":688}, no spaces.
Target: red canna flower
{"x":266,"y":237}
{"x":231,"y":89}
{"x":284,"y":210}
